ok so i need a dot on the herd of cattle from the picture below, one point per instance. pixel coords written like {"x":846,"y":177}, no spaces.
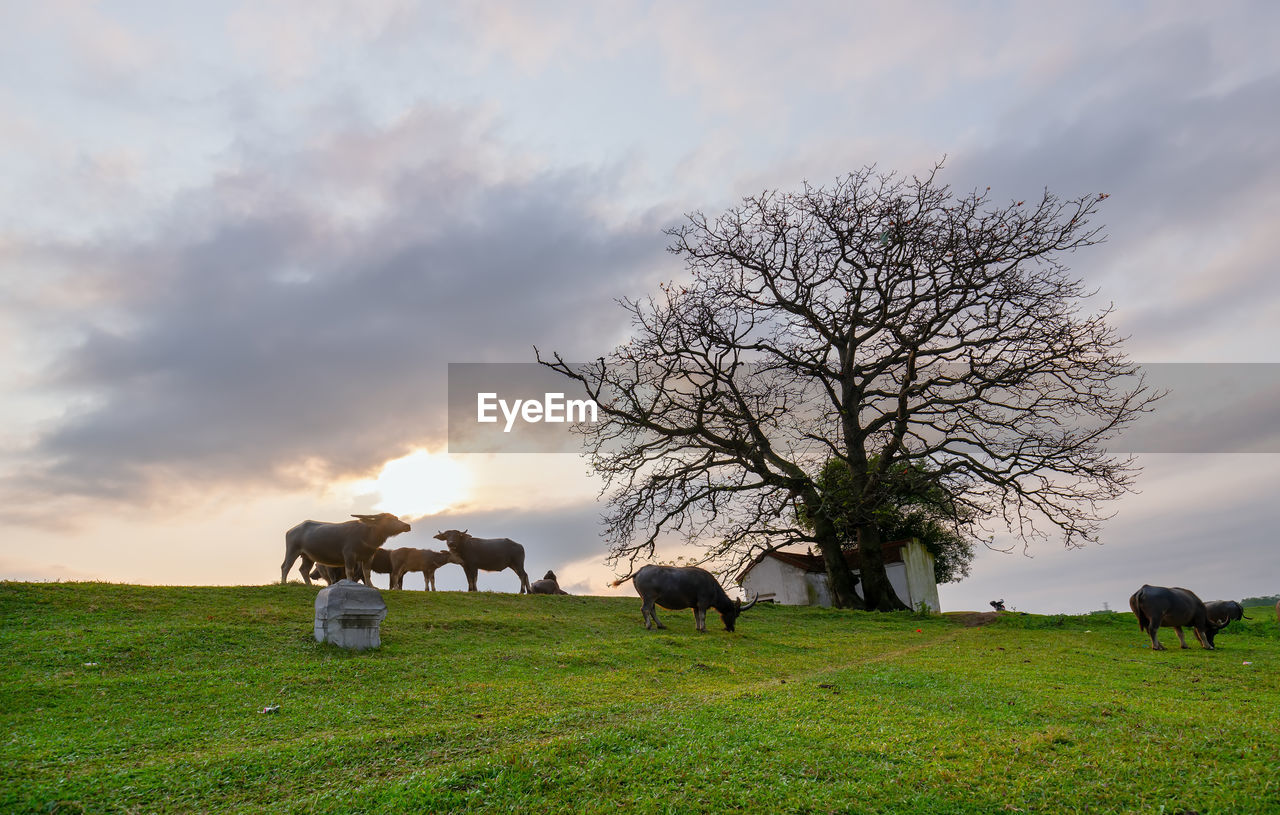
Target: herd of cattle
{"x":1155,"y":606}
{"x":353,"y":550}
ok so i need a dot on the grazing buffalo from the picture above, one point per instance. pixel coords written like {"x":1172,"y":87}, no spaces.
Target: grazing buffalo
{"x":1156,"y":605}
{"x":351,"y":545}
{"x":1223,"y":612}
{"x":418,"y":560}
{"x":678,"y":587}
{"x":547,"y":585}
{"x":490,"y":554}
{"x":332,"y":574}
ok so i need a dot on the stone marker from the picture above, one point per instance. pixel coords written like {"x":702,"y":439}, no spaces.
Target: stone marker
{"x":348,"y":615}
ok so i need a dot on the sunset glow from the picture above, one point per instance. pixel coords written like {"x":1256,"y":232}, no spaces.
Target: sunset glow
{"x":419,"y":484}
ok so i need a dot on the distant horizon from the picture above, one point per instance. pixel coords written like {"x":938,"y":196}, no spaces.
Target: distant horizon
{"x":1267,"y":601}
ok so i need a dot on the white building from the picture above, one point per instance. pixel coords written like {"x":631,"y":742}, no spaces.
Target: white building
{"x":800,"y":579}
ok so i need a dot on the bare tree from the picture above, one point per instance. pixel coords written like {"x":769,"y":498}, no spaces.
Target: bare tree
{"x":883,"y":322}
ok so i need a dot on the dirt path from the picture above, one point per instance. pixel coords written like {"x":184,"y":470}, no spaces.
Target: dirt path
{"x":970,"y":619}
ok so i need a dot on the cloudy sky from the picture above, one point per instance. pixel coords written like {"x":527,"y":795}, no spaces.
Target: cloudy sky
{"x":239,"y":247}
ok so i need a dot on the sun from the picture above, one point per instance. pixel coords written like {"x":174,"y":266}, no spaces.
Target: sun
{"x":421,"y":483}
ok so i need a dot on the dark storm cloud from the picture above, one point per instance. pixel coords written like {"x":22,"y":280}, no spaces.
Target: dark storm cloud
{"x":274,"y":322}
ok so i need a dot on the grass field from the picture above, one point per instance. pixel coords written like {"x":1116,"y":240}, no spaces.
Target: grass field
{"x":125,"y":698}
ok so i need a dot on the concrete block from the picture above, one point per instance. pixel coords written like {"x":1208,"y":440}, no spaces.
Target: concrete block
{"x":348,"y":615}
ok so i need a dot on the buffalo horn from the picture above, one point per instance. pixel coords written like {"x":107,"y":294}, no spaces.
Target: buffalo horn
{"x":752,"y":603}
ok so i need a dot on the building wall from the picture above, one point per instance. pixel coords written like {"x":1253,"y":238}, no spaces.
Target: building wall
{"x":912,"y":581}
{"x":918,"y":573}
{"x":785,"y":582}
{"x":897,"y":574}
{"x":817,"y":590}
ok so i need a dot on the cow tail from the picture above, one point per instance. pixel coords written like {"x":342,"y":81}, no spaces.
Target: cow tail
{"x":615,"y":584}
{"x":1135,"y":604}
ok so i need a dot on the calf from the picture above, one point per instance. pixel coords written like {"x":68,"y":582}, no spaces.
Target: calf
{"x":1156,"y":605}
{"x":418,"y":560}
{"x":547,"y":585}
{"x":332,"y":574}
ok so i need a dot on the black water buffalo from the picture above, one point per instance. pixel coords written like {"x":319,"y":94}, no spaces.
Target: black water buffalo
{"x":1156,"y":605}
{"x":679,"y":587}
{"x":547,"y":585}
{"x":490,"y":554}
{"x":426,"y":561}
{"x":350,"y":545}
{"x":1223,"y":612}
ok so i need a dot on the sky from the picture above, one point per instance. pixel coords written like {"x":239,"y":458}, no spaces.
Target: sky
{"x":240,"y":245}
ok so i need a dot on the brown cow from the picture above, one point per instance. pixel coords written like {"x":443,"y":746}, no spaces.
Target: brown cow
{"x":418,"y":560}
{"x":490,"y":554}
{"x":350,"y":545}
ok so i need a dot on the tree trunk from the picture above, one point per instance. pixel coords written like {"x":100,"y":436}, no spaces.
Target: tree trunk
{"x":877,"y":591}
{"x":840,"y":577}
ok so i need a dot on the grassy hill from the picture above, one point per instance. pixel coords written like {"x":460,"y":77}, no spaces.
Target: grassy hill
{"x":127,"y":698}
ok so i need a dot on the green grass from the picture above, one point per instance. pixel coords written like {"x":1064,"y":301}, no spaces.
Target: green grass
{"x":501,"y":703}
